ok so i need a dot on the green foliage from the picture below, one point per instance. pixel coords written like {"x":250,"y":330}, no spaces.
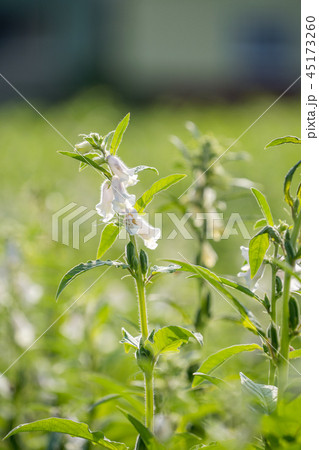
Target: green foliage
{"x":288,"y":179}
{"x":258,"y":246}
{"x":77,"y":429}
{"x":118,"y":134}
{"x":263,"y":204}
{"x":284,"y":140}
{"x":87,"y":160}
{"x":158,"y":186}
{"x":216,"y":359}
{"x":263,"y":396}
{"x":82,"y":268}
{"x":146,"y":435}
{"x":107,"y":239}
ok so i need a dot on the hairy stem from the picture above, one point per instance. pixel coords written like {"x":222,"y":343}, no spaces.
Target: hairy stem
{"x":149,"y":374}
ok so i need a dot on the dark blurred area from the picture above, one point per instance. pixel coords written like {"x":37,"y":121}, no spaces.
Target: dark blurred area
{"x":149,"y":48}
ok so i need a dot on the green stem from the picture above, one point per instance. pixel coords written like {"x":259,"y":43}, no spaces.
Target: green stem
{"x":284,"y":344}
{"x":149,"y":374}
{"x":285,"y":338}
{"x":149,"y":400}
{"x":273,"y":287}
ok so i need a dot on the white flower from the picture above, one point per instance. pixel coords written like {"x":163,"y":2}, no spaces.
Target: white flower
{"x":135,"y":224}
{"x":128,"y":176}
{"x":105,"y":207}
{"x":252,"y":283}
{"x":83,"y":147}
{"x":122,"y":200}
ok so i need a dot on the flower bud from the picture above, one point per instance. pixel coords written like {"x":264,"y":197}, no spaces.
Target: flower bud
{"x":143,"y":261}
{"x":294,"y":318}
{"x":83,"y":147}
{"x":131,"y":257}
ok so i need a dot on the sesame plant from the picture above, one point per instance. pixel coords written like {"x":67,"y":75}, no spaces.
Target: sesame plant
{"x":275,"y":248}
{"x":213,"y":186}
{"x":120,"y":210}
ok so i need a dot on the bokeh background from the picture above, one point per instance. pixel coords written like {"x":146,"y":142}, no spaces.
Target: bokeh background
{"x":83,"y":65}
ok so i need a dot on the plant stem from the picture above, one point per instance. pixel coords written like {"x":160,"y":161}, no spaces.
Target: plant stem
{"x":284,"y":344}
{"x":149,"y":400}
{"x":285,"y":339}
{"x":149,"y":374}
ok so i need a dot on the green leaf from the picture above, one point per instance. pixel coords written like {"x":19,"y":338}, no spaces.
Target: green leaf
{"x":258,"y":246}
{"x":84,"y":267}
{"x":146,"y":435}
{"x":108,"y":237}
{"x":158,"y":186}
{"x":263,"y":204}
{"x":118,"y":135}
{"x":141,"y":168}
{"x":169,"y":339}
{"x":87,"y":161}
{"x":171,"y":268}
{"x":213,"y":380}
{"x":295,"y":354}
{"x":260,"y":223}
{"x":284,"y":140}
{"x":247,"y":318}
{"x":70,"y":427}
{"x":264,"y":396}
{"x":129,"y":341}
{"x":216,"y":359}
{"x":240,"y":288}
{"x":287,"y":184}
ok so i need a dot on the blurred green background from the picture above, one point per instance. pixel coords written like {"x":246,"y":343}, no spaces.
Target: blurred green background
{"x":78,"y":360}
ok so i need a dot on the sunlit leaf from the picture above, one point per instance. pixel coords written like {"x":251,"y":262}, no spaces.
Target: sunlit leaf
{"x":84,"y":267}
{"x":87,"y":161}
{"x":240,"y":288}
{"x":129,"y":341}
{"x":287,"y":184}
{"x":247,"y":318}
{"x":141,"y":168}
{"x":77,"y":429}
{"x":258,"y":246}
{"x":169,"y":339}
{"x":213,"y":380}
{"x":118,"y":134}
{"x":264,"y":396}
{"x":263,"y":204}
{"x":260,"y":223}
{"x":158,"y":186}
{"x":108,"y":237}
{"x":216,"y":359}
{"x":284,"y":140}
{"x":295,"y":354}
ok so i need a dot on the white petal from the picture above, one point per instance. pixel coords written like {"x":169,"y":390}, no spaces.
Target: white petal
{"x":123,"y":201}
{"x":105,"y":207}
{"x":128,"y":176}
{"x":149,"y":234}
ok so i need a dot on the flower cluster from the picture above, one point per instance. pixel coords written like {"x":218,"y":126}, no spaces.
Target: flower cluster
{"x":116,"y":200}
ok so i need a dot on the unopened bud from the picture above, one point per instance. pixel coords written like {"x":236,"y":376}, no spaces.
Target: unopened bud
{"x":83,"y":147}
{"x":144,"y":261}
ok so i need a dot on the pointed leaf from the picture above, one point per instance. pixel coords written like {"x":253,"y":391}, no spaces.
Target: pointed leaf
{"x":141,"y":168}
{"x":216,"y":359}
{"x":158,"y":186}
{"x":147,"y":436}
{"x":108,"y":237}
{"x":213,"y":380}
{"x":77,"y":429}
{"x":171,"y":268}
{"x":87,"y":161}
{"x":258,"y":246}
{"x":264,"y":396}
{"x":263,"y":204}
{"x":240,"y":288}
{"x":169,"y":339}
{"x":118,"y":135}
{"x":129,"y":341}
{"x":247,"y":318}
{"x":260,"y":223}
{"x":84,"y":267}
{"x":287,"y":184}
{"x":284,"y":140}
